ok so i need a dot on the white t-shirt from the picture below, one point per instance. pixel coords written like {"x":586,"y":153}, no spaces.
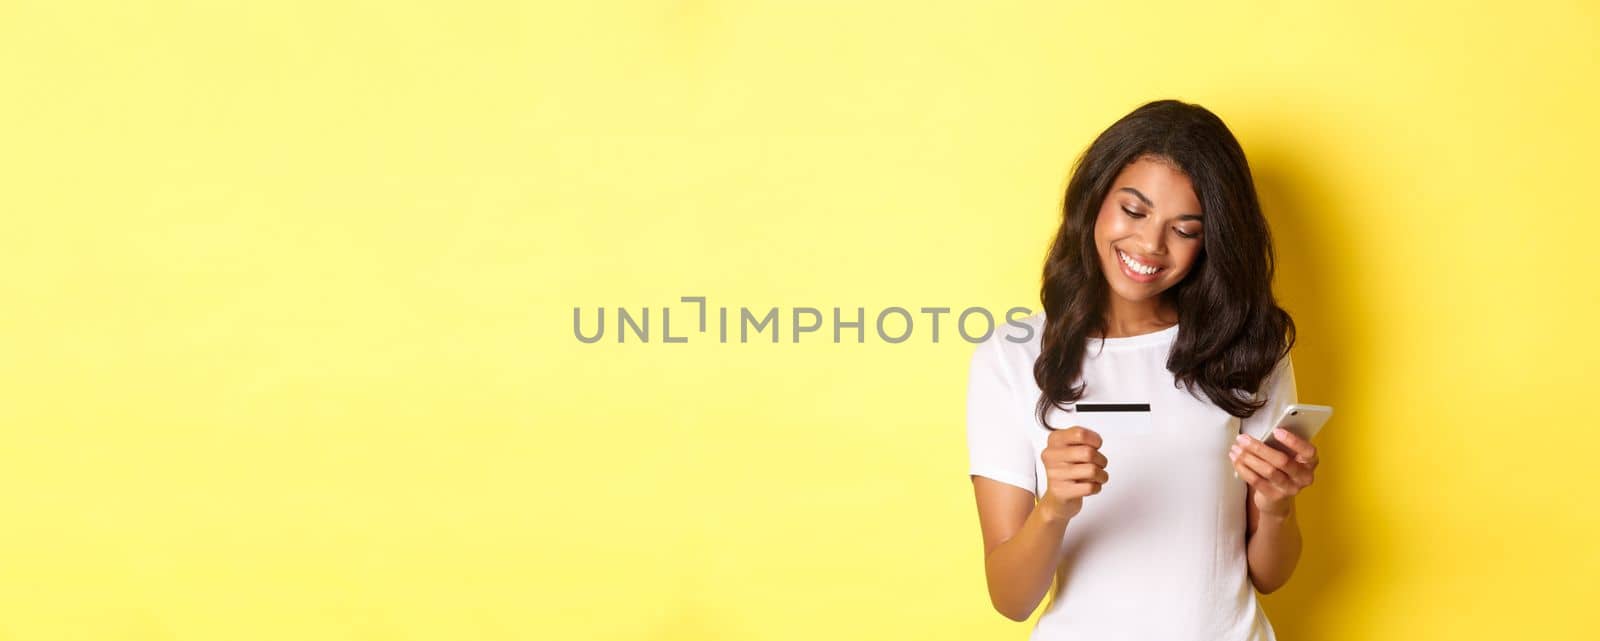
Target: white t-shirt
{"x":1159,"y":553}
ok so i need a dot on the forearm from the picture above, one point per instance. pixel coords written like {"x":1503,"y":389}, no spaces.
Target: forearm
{"x":1020,"y":569}
{"x":1273,"y":550}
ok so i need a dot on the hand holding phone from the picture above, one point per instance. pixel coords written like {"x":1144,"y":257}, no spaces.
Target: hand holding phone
{"x":1274,"y":471}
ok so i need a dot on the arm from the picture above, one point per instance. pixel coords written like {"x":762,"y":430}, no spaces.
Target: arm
{"x":1275,"y":477}
{"x":1272,"y":547}
{"x":1021,"y":539}
{"x":1021,"y":546}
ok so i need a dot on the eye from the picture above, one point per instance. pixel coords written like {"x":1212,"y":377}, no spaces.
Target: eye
{"x":1131,"y":213}
{"x":1187,"y":235}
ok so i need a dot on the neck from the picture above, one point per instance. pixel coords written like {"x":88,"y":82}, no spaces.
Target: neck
{"x":1132,"y":318}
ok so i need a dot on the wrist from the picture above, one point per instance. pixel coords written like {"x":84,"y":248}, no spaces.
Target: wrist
{"x":1278,"y":516}
{"x":1052,"y":513}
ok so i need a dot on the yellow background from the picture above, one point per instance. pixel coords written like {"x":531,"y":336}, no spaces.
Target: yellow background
{"x":287,"y":347}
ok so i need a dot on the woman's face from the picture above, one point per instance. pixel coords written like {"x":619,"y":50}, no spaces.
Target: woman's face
{"x":1151,"y":216}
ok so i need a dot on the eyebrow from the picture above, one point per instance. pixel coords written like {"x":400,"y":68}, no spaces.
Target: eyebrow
{"x":1148,"y":203}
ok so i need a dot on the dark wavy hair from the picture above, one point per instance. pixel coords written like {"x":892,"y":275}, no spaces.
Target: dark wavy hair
{"x":1231,"y":331}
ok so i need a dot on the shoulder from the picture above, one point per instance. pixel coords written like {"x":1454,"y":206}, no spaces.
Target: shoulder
{"x":1282,"y":372}
{"x":1278,"y":382}
{"x":1013,"y":345}
{"x":1022,"y":334}
{"x":1277,"y":391}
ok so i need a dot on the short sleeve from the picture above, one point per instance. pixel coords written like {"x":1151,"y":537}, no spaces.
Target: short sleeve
{"x":998,"y":446}
{"x":1280,"y":392}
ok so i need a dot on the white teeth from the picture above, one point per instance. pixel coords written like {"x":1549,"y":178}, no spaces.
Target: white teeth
{"x":1135,"y":265}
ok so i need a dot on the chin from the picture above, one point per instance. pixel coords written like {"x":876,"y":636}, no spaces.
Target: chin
{"x":1140,"y":294}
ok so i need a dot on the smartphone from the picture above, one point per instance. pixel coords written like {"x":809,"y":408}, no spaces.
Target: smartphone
{"x":1302,"y":420}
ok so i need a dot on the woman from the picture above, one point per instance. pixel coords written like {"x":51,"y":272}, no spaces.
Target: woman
{"x":1160,"y":354}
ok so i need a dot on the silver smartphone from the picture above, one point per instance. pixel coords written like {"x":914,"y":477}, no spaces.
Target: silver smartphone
{"x":1302,"y":420}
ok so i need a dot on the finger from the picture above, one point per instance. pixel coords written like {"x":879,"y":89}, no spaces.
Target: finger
{"x":1301,"y":473}
{"x":1079,"y":434}
{"x":1085,"y":454}
{"x":1295,"y":474}
{"x":1265,"y":470}
{"x":1087,"y":472}
{"x":1056,"y":453}
{"x":1250,"y":477}
{"x":1303,"y":450}
{"x":1068,"y":491}
{"x":1068,"y":454}
{"x":1262,"y":450}
{"x":1065,"y":473}
{"x":1259,"y":483}
{"x":1078,"y":489}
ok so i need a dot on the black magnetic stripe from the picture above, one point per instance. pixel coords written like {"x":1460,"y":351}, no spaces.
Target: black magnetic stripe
{"x":1113,"y":407}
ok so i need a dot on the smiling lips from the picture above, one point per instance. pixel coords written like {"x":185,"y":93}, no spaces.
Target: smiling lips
{"x":1137,"y":270}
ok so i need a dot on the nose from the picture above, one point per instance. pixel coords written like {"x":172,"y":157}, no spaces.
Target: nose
{"x":1151,"y":240}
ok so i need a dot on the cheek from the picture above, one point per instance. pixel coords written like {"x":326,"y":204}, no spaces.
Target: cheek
{"x":1109,"y":226}
{"x":1187,"y":258}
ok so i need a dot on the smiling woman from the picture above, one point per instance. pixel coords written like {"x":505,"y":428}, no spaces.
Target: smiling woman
{"x":1164,"y":262}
